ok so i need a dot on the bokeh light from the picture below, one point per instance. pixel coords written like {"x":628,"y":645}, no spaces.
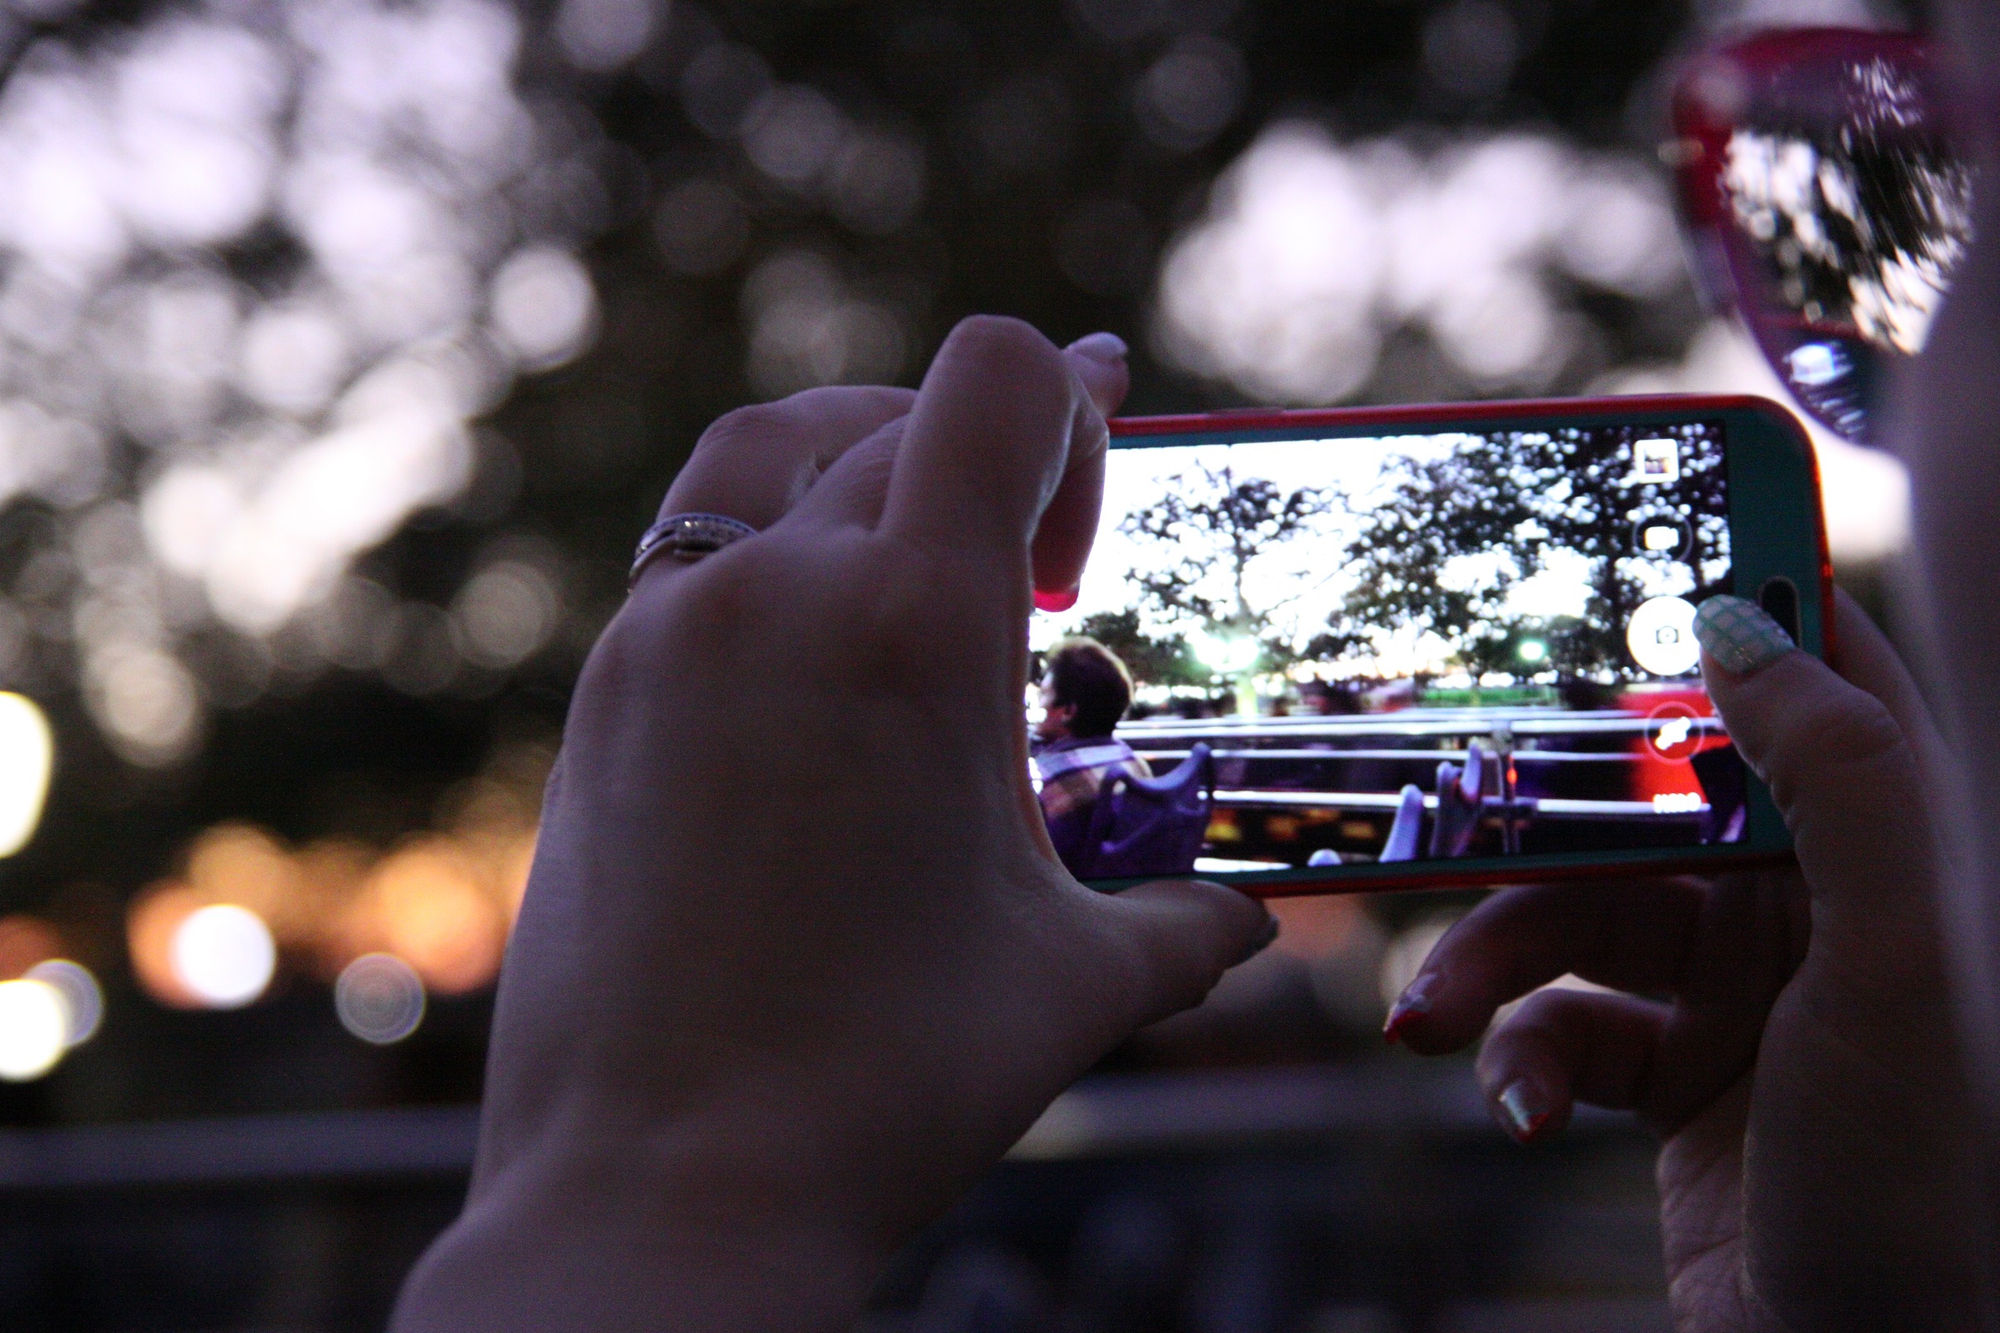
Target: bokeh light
{"x":544,"y":308}
{"x":83,"y":998}
{"x":25,"y":941}
{"x":441,"y":902}
{"x":379,"y":998}
{"x":223,"y":955}
{"x":27,"y":757}
{"x":1314,"y":251}
{"x":288,"y":253}
{"x":434,"y":911}
{"x":505,"y":612}
{"x":34,"y":1029}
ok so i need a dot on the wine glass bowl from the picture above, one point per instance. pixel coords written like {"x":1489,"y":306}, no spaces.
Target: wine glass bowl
{"x":1827,"y":202}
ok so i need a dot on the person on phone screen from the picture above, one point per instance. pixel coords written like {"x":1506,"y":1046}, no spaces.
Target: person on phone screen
{"x":1085,"y":692}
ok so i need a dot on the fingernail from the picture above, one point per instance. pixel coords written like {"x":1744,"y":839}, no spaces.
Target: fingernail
{"x":1101,"y":347}
{"x":1522,"y":1110}
{"x":1414,"y":1002}
{"x":1265,"y":937}
{"x":1056,"y":601}
{"x":1738,"y":635}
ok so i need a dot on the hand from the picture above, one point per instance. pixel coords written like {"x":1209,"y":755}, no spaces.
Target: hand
{"x":1790,"y":1038}
{"x":797,"y":962}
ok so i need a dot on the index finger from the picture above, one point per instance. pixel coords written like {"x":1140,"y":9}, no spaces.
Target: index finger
{"x":755,"y":463}
{"x":993,"y":432}
{"x":1068,"y":526}
{"x":1631,"y":936}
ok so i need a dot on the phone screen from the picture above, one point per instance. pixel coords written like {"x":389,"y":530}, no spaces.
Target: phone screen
{"x":1303,"y":653}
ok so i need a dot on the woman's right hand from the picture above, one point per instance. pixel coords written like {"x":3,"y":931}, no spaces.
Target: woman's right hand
{"x":1791,"y":1040}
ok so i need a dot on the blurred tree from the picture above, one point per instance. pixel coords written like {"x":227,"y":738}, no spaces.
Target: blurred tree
{"x":1213,"y":528}
{"x":1162,"y":660}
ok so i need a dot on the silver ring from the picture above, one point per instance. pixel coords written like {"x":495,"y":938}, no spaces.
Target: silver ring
{"x":687,"y":538}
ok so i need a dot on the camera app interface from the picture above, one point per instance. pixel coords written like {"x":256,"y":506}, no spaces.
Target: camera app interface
{"x":1319,"y":652}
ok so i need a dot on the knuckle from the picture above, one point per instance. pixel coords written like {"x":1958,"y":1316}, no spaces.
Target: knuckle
{"x":754,"y":423}
{"x":1010,"y":345}
{"x":1831,"y":744}
{"x":1542,"y":1014}
{"x":700,"y":616}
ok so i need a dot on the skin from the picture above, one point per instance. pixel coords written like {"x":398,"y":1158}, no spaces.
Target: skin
{"x":1944,"y":431}
{"x":1785,"y":1034}
{"x":1831,"y":1134}
{"x":796,"y":962}
{"x":759,"y":1020}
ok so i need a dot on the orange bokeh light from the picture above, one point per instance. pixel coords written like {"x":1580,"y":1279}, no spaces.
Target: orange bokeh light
{"x":25,"y":941}
{"x":432,"y":909}
{"x":442,"y":902}
{"x":150,"y":924}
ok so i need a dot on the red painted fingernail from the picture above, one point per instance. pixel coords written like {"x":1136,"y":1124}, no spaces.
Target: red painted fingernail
{"x":1414,"y":1002}
{"x":1055,"y":601}
{"x":1522,"y":1110}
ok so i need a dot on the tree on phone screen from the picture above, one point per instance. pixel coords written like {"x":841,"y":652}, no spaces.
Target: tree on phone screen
{"x":1212,"y":528}
{"x":1445,"y":542}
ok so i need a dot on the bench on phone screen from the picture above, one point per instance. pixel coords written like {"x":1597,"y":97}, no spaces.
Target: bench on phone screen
{"x":1150,"y":826}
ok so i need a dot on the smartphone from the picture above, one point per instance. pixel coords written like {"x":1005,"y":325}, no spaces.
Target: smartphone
{"x":1381,"y":648}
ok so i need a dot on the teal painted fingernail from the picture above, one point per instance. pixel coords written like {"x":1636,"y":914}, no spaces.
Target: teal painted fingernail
{"x":1523,"y":1110}
{"x":1738,"y":635}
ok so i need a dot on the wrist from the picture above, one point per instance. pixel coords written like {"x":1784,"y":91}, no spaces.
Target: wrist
{"x":609,"y":1233}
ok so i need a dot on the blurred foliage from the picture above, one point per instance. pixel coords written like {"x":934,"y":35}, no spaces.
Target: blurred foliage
{"x":767,"y":194}
{"x":1052,"y":170}
{"x":1566,"y":493}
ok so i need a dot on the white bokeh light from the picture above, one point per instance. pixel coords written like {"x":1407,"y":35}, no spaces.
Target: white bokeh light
{"x":27,"y":756}
{"x":544,"y":307}
{"x":505,"y":612}
{"x":287,"y":417}
{"x":83,"y":998}
{"x":34,"y":1029}
{"x":1313,"y":251}
{"x":379,"y":998}
{"x":224,"y":955}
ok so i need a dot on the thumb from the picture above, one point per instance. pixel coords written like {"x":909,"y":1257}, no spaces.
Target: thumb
{"x":1179,"y":937}
{"x":1838,"y":764}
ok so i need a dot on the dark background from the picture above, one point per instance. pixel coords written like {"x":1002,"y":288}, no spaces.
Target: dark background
{"x":1050,"y":190}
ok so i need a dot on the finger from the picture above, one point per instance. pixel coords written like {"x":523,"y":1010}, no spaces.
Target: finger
{"x":756,"y":463}
{"x":1177,"y":938}
{"x":1864,"y":655}
{"x":853,"y":490}
{"x":1837,"y":763}
{"x":999,"y":418}
{"x":1069,"y":524}
{"x":1565,"y":1046}
{"x":1629,"y":936}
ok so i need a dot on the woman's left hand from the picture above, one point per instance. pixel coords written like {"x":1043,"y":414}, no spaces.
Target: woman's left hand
{"x":1789,"y":1035}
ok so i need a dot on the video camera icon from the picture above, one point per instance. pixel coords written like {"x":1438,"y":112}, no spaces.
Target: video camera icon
{"x":1673,"y":732}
